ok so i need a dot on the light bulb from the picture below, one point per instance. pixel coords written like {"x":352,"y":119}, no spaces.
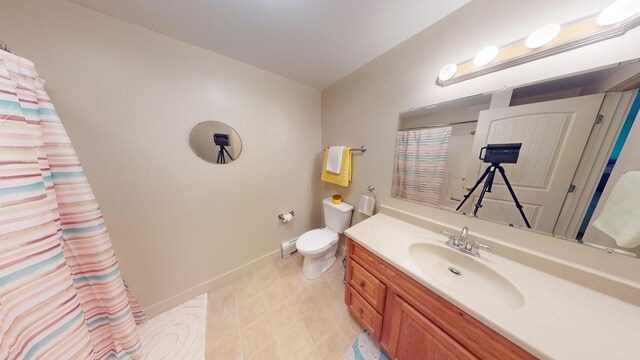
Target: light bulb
{"x":447,"y":72}
{"x":486,"y":55}
{"x":619,"y":11}
{"x":542,"y":36}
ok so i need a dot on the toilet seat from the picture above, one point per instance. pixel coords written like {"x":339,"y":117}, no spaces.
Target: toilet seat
{"x":316,"y":241}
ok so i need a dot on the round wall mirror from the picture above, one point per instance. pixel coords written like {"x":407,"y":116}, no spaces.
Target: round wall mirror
{"x":215,"y":142}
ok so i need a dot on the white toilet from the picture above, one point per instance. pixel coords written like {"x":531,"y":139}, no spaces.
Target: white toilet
{"x":319,"y":246}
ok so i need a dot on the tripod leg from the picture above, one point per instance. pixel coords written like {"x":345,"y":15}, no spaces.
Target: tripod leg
{"x":221,"y":159}
{"x":229,"y":155}
{"x":486,"y":188}
{"x":513,"y":195}
{"x":486,"y":172}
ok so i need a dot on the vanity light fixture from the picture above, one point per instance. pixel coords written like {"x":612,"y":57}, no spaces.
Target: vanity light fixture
{"x":486,"y":55}
{"x":447,"y":72}
{"x":542,"y":36}
{"x":618,"y":11}
{"x":551,"y":39}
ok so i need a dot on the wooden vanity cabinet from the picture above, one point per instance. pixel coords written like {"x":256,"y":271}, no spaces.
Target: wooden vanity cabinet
{"x":412,"y":322}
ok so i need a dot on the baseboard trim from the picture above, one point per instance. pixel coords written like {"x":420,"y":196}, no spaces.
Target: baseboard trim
{"x":212,"y":284}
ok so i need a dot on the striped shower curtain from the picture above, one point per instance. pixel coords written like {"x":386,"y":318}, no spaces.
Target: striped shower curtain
{"x":421,"y":157}
{"x":61,"y":292}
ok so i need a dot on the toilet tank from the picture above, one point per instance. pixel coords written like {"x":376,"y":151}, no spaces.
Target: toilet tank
{"x":337,"y":217}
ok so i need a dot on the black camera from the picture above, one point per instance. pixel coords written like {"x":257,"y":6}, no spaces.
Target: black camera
{"x":221,"y":139}
{"x":500,"y":153}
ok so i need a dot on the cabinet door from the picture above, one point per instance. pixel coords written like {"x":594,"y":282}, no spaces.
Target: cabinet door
{"x":413,"y":337}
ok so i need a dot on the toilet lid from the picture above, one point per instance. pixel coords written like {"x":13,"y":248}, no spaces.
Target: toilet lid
{"x":316,"y":240}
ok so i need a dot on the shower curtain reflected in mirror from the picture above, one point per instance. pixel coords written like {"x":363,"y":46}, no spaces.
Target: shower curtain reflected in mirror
{"x":61,"y":292}
{"x":420,"y":161}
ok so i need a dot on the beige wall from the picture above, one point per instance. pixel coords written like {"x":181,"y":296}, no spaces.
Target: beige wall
{"x":129,"y":98}
{"x":363,"y":108}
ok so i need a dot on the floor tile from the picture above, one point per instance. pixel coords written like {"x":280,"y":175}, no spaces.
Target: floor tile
{"x":283,"y":316}
{"x":270,"y":352}
{"x":276,"y":313}
{"x":221,"y":303}
{"x":297,"y":259}
{"x":322,"y":288}
{"x":349,"y":327}
{"x":334,"y":303}
{"x":276,"y":295}
{"x":251,"y":310}
{"x":288,"y":269}
{"x":246,"y":288}
{"x":332,"y":346}
{"x":335,"y":275}
{"x":293,"y":283}
{"x":230,"y":349}
{"x":318,"y":322}
{"x":268,"y":278}
{"x":256,"y":336}
{"x":305,"y":301}
{"x":221,"y":330}
{"x":295,"y":342}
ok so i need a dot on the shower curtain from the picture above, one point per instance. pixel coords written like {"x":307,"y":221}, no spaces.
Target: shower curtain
{"x":421,"y":157}
{"x":61,"y":292}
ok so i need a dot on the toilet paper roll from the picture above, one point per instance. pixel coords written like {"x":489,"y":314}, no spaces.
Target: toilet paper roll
{"x":286,"y":218}
{"x":367,"y":205}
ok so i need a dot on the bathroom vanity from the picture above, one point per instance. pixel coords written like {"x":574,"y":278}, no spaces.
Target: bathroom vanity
{"x":424,"y":300}
{"x":418,"y":324}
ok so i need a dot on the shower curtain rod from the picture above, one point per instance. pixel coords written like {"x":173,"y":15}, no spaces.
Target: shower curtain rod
{"x":440,"y":125}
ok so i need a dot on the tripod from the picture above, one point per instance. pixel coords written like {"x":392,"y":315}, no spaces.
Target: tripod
{"x":490,"y":173}
{"x":221,"y":157}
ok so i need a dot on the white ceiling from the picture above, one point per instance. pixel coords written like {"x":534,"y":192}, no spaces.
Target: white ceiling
{"x":315,"y":42}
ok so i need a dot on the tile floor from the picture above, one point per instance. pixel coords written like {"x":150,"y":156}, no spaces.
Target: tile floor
{"x":276,"y":313}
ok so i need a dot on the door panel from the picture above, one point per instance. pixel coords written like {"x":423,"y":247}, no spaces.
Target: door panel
{"x":553,"y":135}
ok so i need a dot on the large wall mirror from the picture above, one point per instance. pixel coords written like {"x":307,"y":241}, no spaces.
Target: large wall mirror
{"x":215,"y":142}
{"x":562,"y":145}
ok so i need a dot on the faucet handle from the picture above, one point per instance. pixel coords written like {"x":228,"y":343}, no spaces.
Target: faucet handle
{"x":451,"y":236}
{"x":476,"y":245}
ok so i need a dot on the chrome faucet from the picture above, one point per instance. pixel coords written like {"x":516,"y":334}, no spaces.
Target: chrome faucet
{"x":463,"y":237}
{"x":463,"y":245}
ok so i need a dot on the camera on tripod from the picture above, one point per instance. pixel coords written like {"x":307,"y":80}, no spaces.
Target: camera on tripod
{"x":221,"y":139}
{"x":500,"y":153}
{"x":496,"y":154}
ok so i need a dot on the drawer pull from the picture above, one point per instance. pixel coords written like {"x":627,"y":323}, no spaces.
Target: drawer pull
{"x":360,"y":311}
{"x":361,"y":284}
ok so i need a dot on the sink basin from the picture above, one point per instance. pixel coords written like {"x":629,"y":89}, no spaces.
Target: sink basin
{"x":465,"y":275}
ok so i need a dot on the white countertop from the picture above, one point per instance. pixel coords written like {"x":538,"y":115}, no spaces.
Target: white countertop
{"x":558,"y":320}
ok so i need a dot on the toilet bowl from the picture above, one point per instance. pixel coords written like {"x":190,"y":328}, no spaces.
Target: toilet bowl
{"x":319,"y":246}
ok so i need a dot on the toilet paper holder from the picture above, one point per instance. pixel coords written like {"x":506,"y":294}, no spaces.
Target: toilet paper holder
{"x":281,"y":216}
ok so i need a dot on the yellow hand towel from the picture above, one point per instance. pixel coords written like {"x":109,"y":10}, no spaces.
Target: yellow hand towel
{"x":344,"y":177}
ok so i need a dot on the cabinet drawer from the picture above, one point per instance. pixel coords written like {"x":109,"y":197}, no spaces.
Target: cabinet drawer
{"x":365,"y":313}
{"x":370,"y":288}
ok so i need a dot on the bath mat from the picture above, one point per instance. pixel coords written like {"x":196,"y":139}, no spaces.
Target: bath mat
{"x":178,"y":333}
{"x":364,"y":348}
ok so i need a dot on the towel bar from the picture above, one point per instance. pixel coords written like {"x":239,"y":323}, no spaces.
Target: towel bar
{"x":362,"y":149}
